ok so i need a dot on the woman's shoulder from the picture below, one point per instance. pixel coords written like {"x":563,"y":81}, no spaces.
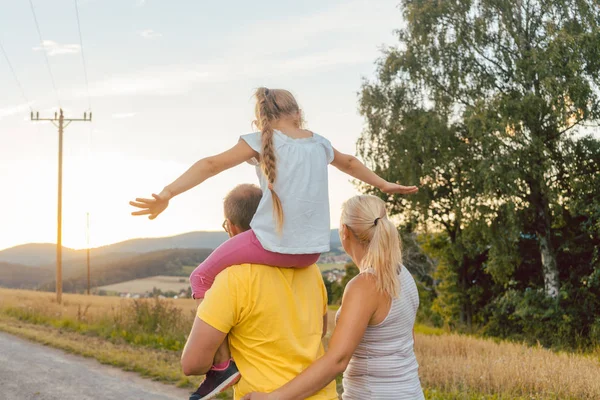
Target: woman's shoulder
{"x":363,"y":282}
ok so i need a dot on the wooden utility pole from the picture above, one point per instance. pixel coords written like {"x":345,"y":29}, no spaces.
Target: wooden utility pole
{"x":87,"y":229}
{"x":59,"y":122}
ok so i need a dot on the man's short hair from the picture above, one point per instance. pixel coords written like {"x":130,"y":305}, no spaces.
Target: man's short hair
{"x":241,"y":203}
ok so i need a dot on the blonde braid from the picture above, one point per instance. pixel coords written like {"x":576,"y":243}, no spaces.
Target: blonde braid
{"x":267,"y":111}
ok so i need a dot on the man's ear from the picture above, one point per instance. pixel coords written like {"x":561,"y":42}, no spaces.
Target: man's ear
{"x":234,"y":229}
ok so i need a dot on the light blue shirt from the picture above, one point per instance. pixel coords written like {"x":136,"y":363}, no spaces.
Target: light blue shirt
{"x":303,"y":188}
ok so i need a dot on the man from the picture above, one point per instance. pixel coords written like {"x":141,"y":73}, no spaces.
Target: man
{"x":274,"y":318}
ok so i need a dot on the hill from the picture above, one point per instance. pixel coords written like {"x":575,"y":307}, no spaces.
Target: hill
{"x":43,"y":255}
{"x":134,"y":266}
{"x":21,"y":276}
{"x":35,"y":254}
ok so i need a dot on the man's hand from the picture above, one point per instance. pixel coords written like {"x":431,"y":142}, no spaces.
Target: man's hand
{"x":393,"y":188}
{"x":151,"y":207}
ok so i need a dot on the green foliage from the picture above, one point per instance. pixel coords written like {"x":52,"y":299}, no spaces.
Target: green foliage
{"x":335,"y":290}
{"x":351,"y":271}
{"x":485,"y":105}
{"x":153,"y":323}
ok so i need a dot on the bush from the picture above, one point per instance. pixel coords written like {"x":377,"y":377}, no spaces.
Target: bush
{"x":154,"y":323}
{"x":569,"y":322}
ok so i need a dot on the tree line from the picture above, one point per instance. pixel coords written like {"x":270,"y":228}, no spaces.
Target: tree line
{"x":492,"y":108}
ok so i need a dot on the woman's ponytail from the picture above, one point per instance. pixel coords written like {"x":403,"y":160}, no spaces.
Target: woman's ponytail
{"x":367,"y":219}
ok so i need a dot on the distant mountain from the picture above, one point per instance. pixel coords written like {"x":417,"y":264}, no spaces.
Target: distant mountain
{"x":33,"y":265}
{"x":43,"y":255}
{"x":35,"y":254}
{"x":19,"y":276}
{"x":192,"y":240}
{"x":133,"y":266}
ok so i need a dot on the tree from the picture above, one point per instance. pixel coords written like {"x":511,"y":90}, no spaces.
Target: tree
{"x":406,"y":142}
{"x":351,"y":271}
{"x":514,"y":81}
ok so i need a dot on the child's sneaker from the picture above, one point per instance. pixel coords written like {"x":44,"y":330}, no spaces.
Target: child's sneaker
{"x":217,"y":381}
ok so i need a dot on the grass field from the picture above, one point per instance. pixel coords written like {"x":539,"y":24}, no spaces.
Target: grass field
{"x":147,"y":336}
{"x":164,"y":283}
{"x":328,"y":267}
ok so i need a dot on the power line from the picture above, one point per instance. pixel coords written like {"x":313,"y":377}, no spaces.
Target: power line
{"x":15,"y":76}
{"x":87,"y":85}
{"x":45,"y":52}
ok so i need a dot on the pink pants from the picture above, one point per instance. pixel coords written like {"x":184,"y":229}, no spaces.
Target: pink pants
{"x":242,"y":249}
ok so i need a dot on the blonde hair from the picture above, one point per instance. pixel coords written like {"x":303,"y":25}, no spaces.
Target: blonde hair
{"x":366,"y":218}
{"x":271,"y":105}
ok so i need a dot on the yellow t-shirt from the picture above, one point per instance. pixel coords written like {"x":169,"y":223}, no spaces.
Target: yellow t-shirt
{"x":274,"y":318}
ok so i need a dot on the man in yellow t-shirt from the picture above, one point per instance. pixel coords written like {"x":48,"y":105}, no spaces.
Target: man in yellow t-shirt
{"x":274,"y":319}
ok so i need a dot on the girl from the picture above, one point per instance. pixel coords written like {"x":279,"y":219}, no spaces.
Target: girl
{"x":373,"y":339}
{"x":291,"y":225}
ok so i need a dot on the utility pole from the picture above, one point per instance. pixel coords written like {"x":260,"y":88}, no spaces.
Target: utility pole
{"x":88,"y":251}
{"x":61,"y":123}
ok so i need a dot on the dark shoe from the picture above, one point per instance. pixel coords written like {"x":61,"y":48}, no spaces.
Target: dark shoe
{"x":217,"y":382}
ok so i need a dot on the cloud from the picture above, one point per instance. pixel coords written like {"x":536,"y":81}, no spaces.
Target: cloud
{"x":8,"y":111}
{"x":181,"y":78}
{"x":53,"y":48}
{"x":140,"y":3}
{"x":150,"y":34}
{"x":354,"y":24}
{"x":124,"y":115}
{"x":340,"y":36}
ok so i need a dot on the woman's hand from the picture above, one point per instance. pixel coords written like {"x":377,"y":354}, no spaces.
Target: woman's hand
{"x":393,"y":188}
{"x":260,"y":396}
{"x":152,"y":207}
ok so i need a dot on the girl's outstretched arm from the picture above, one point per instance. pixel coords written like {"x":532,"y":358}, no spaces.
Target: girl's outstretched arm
{"x":198,"y":173}
{"x":353,"y":167}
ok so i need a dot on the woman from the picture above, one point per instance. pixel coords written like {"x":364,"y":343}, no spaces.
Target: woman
{"x":373,"y":339}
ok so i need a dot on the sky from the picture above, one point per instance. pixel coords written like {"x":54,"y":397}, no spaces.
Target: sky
{"x":170,"y":82}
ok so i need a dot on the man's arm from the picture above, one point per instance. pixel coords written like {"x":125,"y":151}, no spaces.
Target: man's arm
{"x":201,"y":347}
{"x":216,"y":316}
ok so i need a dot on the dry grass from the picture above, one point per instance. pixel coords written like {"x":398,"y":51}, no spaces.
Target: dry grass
{"x":77,"y":305}
{"x":457,"y":363}
{"x":451,"y":366}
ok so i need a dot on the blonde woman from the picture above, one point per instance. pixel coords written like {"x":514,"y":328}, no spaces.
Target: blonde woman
{"x":373,"y":338}
{"x":291,"y":225}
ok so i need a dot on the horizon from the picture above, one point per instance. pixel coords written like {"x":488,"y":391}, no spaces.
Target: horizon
{"x":121,"y":241}
{"x":166,"y":92}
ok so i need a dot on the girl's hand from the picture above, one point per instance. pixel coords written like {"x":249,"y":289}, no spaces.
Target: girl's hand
{"x":392,"y":188}
{"x":260,"y":396}
{"x":152,"y":207}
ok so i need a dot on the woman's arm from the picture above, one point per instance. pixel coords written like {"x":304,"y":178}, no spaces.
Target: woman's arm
{"x":353,"y":167}
{"x":358,"y":306}
{"x":198,"y":173}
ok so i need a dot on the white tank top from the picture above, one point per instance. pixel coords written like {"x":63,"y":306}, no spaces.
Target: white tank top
{"x":384,"y":366}
{"x":303,"y":188}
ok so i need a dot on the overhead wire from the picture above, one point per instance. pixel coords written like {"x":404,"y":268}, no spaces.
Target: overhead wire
{"x":89,"y":157}
{"x":85,"y":74}
{"x":37,"y":25}
{"x":16,"y":78}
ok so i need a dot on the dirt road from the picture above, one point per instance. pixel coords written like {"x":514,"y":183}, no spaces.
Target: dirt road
{"x":29,"y":371}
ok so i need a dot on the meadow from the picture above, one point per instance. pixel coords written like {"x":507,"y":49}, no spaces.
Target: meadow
{"x":329,"y":266}
{"x":147,"y":336}
{"x":164,"y":283}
